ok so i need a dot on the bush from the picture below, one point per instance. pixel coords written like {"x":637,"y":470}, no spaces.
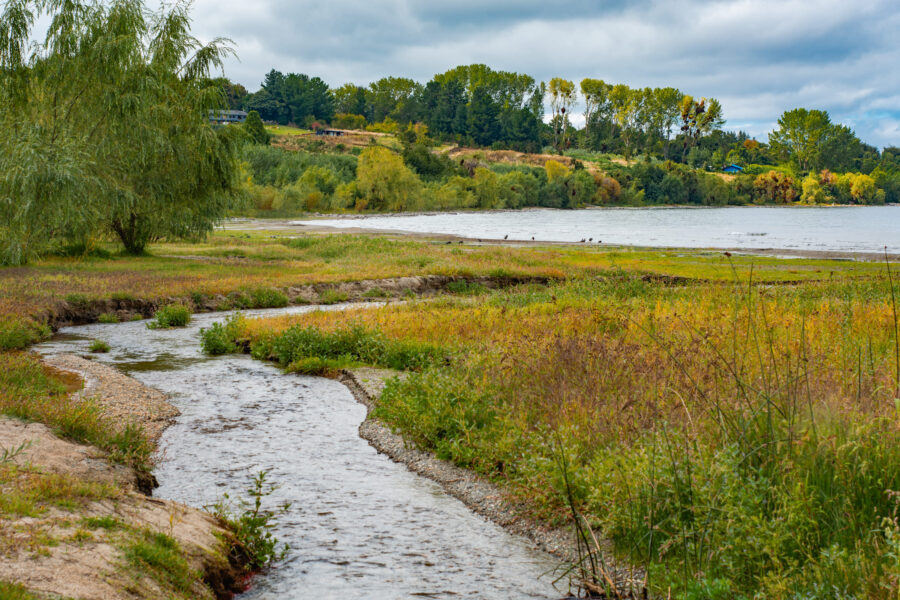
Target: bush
{"x":347,"y":346}
{"x":332,"y":297}
{"x":99,"y":347}
{"x":222,"y":339}
{"x":108,"y":318}
{"x":16,"y":334}
{"x":267,"y":298}
{"x":252,"y":526}
{"x":173,"y":315}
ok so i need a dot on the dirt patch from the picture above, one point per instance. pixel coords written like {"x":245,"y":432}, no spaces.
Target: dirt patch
{"x":59,"y":551}
{"x":75,"y":539}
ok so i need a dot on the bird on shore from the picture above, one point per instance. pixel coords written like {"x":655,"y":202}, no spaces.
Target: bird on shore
{"x":582,"y":241}
{"x":532,"y":238}
{"x":590,"y":239}
{"x":505,"y":236}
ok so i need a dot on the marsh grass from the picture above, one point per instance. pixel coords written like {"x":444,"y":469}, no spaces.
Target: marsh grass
{"x":12,"y":591}
{"x":735,"y":441}
{"x":17,"y":333}
{"x":30,"y":492}
{"x":207,"y":269}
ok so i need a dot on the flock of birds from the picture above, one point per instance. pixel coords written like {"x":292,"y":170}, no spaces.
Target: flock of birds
{"x":506,"y":237}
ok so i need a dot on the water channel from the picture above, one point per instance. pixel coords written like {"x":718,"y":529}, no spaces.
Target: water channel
{"x":360,"y":526}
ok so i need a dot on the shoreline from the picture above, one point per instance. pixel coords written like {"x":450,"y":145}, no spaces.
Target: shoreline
{"x":92,"y":563}
{"x":302,"y":227}
{"x":479,"y":495}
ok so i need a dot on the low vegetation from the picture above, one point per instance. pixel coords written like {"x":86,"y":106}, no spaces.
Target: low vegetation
{"x":99,"y":347}
{"x":31,"y":391}
{"x":196,"y":273}
{"x":252,"y":524}
{"x":173,"y":315}
{"x":736,"y":440}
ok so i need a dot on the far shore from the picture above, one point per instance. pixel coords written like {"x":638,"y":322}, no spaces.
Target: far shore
{"x":306,"y":226}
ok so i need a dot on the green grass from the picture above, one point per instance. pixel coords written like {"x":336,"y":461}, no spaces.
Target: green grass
{"x":160,"y":557}
{"x":29,"y":391}
{"x":286,"y":130}
{"x":12,"y":591}
{"x":17,"y":333}
{"x":99,"y":346}
{"x":736,"y":442}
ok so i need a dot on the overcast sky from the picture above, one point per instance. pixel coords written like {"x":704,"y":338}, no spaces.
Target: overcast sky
{"x":758,"y":57}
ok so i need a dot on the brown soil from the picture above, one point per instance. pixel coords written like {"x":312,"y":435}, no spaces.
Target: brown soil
{"x":55,"y":553}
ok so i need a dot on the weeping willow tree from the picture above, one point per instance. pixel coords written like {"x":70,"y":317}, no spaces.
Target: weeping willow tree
{"x":104,"y":127}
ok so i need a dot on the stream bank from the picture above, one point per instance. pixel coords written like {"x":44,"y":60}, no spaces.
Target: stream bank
{"x":73,"y":312}
{"x":360,"y":525}
{"x":80,"y":526}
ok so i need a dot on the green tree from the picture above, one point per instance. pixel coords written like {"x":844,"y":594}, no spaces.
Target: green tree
{"x":483,"y":113}
{"x":104,"y":127}
{"x":350,"y":99}
{"x":799,"y":135}
{"x":668,"y":105}
{"x":255,"y":128}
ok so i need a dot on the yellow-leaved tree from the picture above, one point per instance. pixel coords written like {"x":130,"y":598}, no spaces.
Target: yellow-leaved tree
{"x":383,"y":182}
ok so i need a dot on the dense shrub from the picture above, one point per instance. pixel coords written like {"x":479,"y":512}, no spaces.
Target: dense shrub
{"x":222,"y":339}
{"x":16,"y":333}
{"x":347,"y":346}
{"x":173,"y":315}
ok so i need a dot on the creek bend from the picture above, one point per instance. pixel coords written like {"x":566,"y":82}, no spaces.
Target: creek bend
{"x":360,"y":525}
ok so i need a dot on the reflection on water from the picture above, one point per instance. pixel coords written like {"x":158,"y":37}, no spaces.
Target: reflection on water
{"x":838,"y":229}
{"x":360,"y":526}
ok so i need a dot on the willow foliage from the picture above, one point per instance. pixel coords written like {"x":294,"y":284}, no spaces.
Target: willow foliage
{"x":104,"y":127}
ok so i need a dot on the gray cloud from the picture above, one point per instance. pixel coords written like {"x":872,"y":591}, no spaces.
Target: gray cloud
{"x":759,"y":57}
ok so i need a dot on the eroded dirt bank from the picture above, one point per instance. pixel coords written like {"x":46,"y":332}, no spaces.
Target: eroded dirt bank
{"x":79,"y":526}
{"x":81,"y":313}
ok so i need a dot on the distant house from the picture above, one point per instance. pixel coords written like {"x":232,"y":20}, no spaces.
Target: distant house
{"x":227,"y":117}
{"x":330,"y":132}
{"x":733,"y":169}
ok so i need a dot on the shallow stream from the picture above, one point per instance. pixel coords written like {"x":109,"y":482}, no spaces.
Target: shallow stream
{"x":360,"y":526}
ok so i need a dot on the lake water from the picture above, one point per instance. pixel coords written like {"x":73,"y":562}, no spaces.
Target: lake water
{"x":838,"y":229}
{"x":360,"y":526}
